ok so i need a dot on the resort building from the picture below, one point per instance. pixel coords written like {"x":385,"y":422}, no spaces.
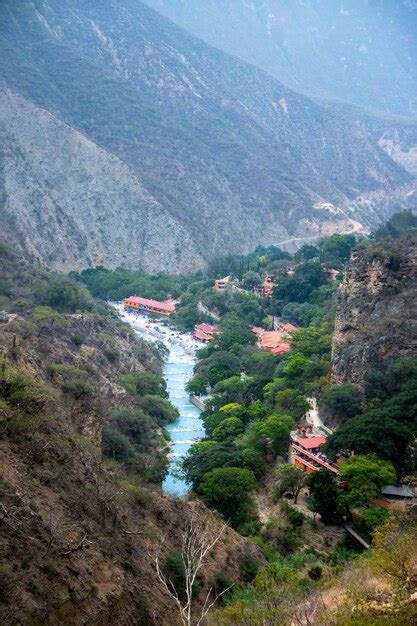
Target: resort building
{"x":205,"y":332}
{"x":272,"y":341}
{"x":221,"y":283}
{"x":149,"y":306}
{"x":305,"y":450}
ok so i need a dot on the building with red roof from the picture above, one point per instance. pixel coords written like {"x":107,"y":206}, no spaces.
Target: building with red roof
{"x":205,"y":332}
{"x":149,"y":306}
{"x":265,"y":289}
{"x":282,"y":348}
{"x":306,"y":453}
{"x":221,"y":283}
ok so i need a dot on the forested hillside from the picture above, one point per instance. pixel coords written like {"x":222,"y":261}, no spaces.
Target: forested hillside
{"x":127,"y":141}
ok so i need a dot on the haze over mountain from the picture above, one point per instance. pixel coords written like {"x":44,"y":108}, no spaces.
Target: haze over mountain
{"x":350,"y":50}
{"x":127,"y":141}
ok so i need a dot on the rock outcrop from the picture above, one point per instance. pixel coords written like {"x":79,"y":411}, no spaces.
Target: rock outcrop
{"x":376,"y":318}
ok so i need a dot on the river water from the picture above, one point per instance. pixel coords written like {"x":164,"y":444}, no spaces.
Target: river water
{"x":178,"y":369}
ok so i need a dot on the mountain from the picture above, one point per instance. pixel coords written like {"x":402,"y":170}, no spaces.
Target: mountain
{"x":127,"y":141}
{"x":357,"y":51}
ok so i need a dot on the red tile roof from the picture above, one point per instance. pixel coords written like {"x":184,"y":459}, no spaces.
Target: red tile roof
{"x":282,"y":348}
{"x":311,"y":442}
{"x":288,"y":327}
{"x":169,"y":307}
{"x":204,"y":332}
{"x":271,"y":339}
{"x":207,"y":328}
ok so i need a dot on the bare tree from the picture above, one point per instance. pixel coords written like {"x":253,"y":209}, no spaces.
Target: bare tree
{"x":197,"y":540}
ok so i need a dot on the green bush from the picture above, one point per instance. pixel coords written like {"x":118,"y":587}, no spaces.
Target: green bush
{"x":315,"y":572}
{"x":116,"y":445}
{"x":249,"y":567}
{"x":73,"y":379}
{"x":77,"y":340}
{"x":172,"y":567}
{"x":144,"y":384}
{"x":294,"y":517}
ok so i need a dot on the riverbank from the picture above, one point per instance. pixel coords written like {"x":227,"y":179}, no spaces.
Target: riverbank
{"x":177,"y":371}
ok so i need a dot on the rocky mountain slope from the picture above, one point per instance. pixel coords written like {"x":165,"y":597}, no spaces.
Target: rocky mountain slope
{"x":79,"y":533}
{"x":124,"y":140}
{"x":377,"y":309}
{"x":356,"y":51}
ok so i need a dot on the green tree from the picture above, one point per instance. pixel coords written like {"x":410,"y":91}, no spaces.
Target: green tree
{"x":227,"y":489}
{"x":290,"y":479}
{"x":229,"y":428}
{"x":365,"y":475}
{"x":343,"y":400}
{"x":292,"y":402}
{"x":144,"y":384}
{"x":374,"y":517}
{"x":197,"y":384}
{"x":270,"y":435}
{"x":234,"y":331}
{"x":116,"y":445}
{"x":251,"y":279}
{"x":325,"y":496}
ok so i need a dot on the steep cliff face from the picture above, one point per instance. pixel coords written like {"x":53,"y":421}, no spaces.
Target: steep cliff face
{"x":376,"y":318}
{"x":125,"y":140}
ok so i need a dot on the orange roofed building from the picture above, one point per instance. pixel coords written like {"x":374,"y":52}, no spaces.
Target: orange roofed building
{"x":149,"y":306}
{"x":271,"y":340}
{"x":305,"y":450}
{"x":204,"y":332}
{"x":221,"y":283}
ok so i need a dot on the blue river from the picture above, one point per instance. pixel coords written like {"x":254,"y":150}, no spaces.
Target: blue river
{"x":177,"y":371}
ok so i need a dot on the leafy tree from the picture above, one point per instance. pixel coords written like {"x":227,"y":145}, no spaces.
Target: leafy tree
{"x":197,"y":384}
{"x":374,"y":517}
{"x":233,"y":331}
{"x":343,"y":400}
{"x":375,"y":432}
{"x":324,"y":496}
{"x":299,"y":287}
{"x":290,"y":479}
{"x":336,"y":249}
{"x":251,"y":279}
{"x":144,"y":384}
{"x":62,"y":294}
{"x":159,"y":408}
{"x":292,"y":402}
{"x":136,"y":426}
{"x":227,"y":489}
{"x":307,"y":252}
{"x":205,"y":456}
{"x":116,"y":445}
{"x":229,"y":428}
{"x":217,"y":367}
{"x":365,"y":475}
{"x":270,"y":435}
{"x":397,"y":225}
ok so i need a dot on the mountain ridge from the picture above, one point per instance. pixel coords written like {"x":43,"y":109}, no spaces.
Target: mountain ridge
{"x":228,"y":157}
